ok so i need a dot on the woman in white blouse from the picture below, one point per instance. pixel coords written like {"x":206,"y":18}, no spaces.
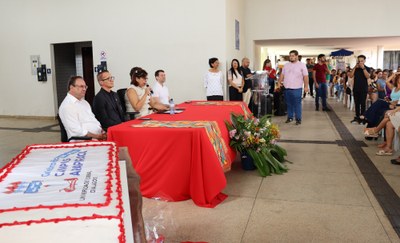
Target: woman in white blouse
{"x":236,"y":81}
{"x":213,"y":81}
{"x":138,"y":94}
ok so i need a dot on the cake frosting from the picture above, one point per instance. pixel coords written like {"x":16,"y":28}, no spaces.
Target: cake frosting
{"x":62,"y":193}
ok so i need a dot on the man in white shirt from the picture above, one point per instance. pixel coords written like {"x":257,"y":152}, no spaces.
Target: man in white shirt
{"x":160,"y":90}
{"x":76,"y":113}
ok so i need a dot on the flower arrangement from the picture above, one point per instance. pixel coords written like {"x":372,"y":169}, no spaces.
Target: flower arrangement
{"x":257,"y":138}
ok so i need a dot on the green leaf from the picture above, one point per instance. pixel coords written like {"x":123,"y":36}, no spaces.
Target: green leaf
{"x":262,"y":169}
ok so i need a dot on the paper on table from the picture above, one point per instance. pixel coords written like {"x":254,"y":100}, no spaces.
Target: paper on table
{"x":176,"y":112}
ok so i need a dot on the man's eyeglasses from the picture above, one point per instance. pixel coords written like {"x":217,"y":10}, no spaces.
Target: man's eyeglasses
{"x":81,"y":86}
{"x":111,"y":78}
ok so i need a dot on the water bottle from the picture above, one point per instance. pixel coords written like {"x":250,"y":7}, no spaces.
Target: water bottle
{"x":171,"y":106}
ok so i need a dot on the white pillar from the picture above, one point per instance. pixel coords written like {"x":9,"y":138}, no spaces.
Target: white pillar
{"x":379,"y":57}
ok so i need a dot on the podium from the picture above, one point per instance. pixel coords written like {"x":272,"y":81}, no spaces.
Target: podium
{"x":261,"y":100}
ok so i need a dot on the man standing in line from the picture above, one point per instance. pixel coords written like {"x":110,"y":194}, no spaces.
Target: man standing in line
{"x":360,"y":73}
{"x":319,"y":75}
{"x":106,"y":104}
{"x":310,"y":68}
{"x":246,"y":72}
{"x":160,"y":90}
{"x":294,"y":75}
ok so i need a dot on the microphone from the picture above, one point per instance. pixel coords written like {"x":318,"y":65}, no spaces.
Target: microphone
{"x":151,"y":91}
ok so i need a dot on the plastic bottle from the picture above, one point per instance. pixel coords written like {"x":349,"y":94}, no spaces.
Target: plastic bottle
{"x":171,"y":106}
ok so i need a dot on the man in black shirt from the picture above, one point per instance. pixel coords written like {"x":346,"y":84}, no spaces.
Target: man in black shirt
{"x":360,"y":73}
{"x":246,"y":73}
{"x":106,"y":104}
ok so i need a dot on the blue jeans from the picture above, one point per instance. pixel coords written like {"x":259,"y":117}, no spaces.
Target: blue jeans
{"x":293,"y":103}
{"x":321,"y":92}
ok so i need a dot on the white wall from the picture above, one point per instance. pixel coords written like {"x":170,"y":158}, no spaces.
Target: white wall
{"x":175,"y":35}
{"x":235,"y":11}
{"x":290,"y":19}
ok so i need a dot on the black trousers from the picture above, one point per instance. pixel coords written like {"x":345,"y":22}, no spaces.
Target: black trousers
{"x":311,"y":85}
{"x":234,"y":94}
{"x":215,"y":97}
{"x":360,"y":98}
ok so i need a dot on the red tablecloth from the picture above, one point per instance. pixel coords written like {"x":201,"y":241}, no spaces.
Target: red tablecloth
{"x":180,"y":163}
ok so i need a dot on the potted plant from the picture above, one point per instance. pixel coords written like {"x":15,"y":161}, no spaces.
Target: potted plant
{"x":257,"y":138}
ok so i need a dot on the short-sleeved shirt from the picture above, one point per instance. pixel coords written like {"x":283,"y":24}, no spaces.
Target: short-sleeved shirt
{"x":236,"y":79}
{"x":293,"y":74}
{"x":162,"y":92}
{"x":360,"y":81}
{"x":381,"y":83}
{"x":320,"y":72}
{"x":247,"y":83}
{"x":271,"y":71}
{"x":213,"y":83}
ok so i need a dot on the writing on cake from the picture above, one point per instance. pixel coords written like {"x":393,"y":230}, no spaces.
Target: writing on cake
{"x":64,"y":161}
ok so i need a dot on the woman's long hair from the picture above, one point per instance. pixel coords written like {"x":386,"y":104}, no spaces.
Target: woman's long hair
{"x":265,"y":63}
{"x":232,"y":70}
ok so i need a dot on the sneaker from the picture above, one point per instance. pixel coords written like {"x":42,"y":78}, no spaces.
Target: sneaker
{"x":298,"y":122}
{"x":289,"y":120}
{"x":326,"y":109}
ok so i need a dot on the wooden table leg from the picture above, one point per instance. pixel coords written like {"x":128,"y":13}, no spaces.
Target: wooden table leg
{"x":135,"y":197}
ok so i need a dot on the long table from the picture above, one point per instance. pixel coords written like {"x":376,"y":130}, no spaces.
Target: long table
{"x":184,"y":155}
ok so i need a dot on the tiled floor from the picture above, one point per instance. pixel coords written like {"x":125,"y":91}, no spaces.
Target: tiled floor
{"x":323,"y":198}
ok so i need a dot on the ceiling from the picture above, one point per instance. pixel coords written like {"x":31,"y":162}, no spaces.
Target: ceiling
{"x":313,"y":47}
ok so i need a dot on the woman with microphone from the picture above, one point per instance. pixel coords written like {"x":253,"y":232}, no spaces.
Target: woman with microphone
{"x":138,"y":95}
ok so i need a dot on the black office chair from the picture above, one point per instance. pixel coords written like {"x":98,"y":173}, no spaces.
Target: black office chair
{"x":128,"y":115}
{"x":64,"y":136}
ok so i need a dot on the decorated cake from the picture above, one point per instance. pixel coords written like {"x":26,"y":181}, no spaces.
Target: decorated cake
{"x":62,"y":193}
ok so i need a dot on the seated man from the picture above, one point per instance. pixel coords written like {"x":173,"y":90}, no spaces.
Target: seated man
{"x":106,"y":104}
{"x":76,"y":114}
{"x":160,"y":90}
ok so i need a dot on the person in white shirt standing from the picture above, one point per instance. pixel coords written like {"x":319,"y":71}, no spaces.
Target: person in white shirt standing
{"x":213,"y":81}
{"x":160,"y":90}
{"x":236,"y":81}
{"x":76,"y":113}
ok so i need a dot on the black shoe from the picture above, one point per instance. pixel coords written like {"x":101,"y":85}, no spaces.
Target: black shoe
{"x":395,"y":162}
{"x":317,"y":108}
{"x":326,"y":109}
{"x":304,"y":95}
{"x":298,"y":122}
{"x":289,"y":120}
{"x":355,"y":120}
